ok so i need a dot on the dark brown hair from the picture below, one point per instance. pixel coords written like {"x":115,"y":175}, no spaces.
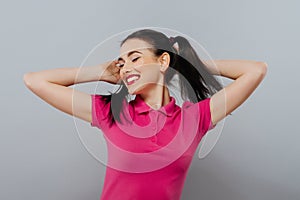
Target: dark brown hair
{"x":196,"y":82}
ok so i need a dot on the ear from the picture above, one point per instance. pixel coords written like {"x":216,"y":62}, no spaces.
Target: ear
{"x":164,"y":61}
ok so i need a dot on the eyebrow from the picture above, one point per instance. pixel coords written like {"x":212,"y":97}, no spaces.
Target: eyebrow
{"x":130,"y":53}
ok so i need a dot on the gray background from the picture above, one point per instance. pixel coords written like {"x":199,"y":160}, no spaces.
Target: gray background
{"x":257,"y":156}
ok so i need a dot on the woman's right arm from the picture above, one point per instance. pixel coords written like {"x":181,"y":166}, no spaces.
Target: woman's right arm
{"x":52,"y":86}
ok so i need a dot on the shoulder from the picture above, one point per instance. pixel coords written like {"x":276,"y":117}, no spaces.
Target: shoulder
{"x":100,"y":108}
{"x":202,"y":104}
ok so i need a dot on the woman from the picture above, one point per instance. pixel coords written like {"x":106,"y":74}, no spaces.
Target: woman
{"x":149,"y":159}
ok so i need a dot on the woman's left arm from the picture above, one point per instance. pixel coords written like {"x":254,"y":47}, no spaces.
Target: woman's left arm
{"x":247,"y":75}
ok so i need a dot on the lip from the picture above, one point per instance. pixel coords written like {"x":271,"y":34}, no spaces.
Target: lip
{"x":131,"y":75}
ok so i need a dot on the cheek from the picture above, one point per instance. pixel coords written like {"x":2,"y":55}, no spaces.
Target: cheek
{"x":151,"y":75}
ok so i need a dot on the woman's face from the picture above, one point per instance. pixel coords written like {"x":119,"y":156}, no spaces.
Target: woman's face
{"x":140,"y":69}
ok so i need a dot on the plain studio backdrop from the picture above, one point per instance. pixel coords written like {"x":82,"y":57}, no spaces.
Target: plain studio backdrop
{"x":257,"y":155}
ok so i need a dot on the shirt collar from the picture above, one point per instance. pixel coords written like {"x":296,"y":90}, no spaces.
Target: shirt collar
{"x":140,"y":106}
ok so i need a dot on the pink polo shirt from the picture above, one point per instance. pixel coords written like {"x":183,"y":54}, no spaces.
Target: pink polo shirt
{"x":149,"y":157}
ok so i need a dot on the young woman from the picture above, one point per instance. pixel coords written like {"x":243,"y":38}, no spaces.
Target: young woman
{"x":150,"y":140}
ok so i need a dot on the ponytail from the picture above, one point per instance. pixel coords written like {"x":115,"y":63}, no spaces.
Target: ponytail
{"x":195,"y":80}
{"x":194,"y":72}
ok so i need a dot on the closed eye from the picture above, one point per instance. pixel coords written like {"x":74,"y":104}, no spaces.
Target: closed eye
{"x":135,"y":59}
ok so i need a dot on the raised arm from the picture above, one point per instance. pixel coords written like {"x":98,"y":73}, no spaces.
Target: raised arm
{"x":247,"y":75}
{"x":52,"y":86}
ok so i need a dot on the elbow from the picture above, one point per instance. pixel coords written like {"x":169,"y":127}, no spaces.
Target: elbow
{"x":262,"y":68}
{"x":27,"y":78}
{"x":31,"y":81}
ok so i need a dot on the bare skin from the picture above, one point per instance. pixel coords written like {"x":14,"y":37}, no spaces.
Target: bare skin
{"x":150,"y":86}
{"x":52,"y":85}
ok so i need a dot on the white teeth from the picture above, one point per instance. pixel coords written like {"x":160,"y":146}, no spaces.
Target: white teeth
{"x":132,"y":78}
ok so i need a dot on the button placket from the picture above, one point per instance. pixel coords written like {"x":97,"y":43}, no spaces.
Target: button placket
{"x":154,"y":125}
{"x":154,"y":120}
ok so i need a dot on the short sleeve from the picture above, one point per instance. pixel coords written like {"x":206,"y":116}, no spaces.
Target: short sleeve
{"x":205,"y":120}
{"x":100,"y":110}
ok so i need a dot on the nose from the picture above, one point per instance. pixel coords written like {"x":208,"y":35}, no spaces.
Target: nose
{"x":125,"y":69}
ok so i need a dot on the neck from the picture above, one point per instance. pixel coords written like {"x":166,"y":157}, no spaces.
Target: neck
{"x":157,"y":98}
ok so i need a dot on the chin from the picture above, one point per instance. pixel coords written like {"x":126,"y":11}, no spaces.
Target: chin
{"x":130,"y":91}
{"x":133,"y":92}
{"x":136,"y":91}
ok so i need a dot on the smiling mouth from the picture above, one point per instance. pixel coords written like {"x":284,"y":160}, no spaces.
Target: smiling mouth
{"x":131,"y":79}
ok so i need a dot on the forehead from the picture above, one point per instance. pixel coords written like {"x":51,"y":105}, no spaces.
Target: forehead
{"x":134,"y":44}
